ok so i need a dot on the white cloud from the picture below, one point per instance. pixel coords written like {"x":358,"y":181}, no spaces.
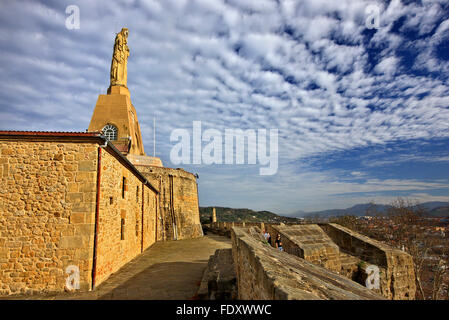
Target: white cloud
{"x":387,"y":66}
{"x":302,"y":67}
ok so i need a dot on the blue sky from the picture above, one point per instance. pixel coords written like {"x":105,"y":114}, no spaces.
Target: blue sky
{"x":362,"y":114}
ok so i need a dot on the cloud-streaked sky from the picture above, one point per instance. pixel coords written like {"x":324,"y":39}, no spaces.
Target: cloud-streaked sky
{"x":362,"y":114}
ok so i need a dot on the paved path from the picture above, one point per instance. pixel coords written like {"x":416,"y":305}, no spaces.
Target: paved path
{"x":165,"y":271}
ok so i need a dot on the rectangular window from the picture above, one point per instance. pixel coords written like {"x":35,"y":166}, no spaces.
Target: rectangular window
{"x":122,"y":229}
{"x":137,"y":194}
{"x":111,"y":200}
{"x":123,"y":187}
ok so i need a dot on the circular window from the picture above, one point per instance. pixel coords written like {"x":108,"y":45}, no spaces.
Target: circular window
{"x":110,"y":132}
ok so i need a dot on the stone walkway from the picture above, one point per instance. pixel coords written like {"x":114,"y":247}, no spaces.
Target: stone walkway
{"x":165,"y":271}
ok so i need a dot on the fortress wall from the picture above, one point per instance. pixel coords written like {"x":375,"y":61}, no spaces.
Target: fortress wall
{"x":220,"y":225}
{"x":361,"y":246}
{"x":224,"y":228}
{"x":356,"y":252}
{"x":398,"y":278}
{"x":260,"y":225}
{"x":269,"y":274}
{"x":47,"y":212}
{"x":308,"y":242}
{"x":149,"y":218}
{"x":48,"y":202}
{"x":178,"y":211}
{"x":230,"y":225}
{"x":120,"y":217}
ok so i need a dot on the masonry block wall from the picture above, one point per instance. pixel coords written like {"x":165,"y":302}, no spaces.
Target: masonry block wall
{"x":397,"y":278}
{"x":308,"y":242}
{"x":48,"y":197}
{"x":178,"y":210}
{"x":264,"y":273}
{"x":47,"y":209}
{"x":125,"y":204}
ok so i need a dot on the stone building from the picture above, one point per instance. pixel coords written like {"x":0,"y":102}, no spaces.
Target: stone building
{"x":69,"y":200}
{"x":87,"y":203}
{"x":75,"y":200}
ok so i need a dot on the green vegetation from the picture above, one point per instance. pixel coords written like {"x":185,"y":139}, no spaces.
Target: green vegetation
{"x":242,"y":215}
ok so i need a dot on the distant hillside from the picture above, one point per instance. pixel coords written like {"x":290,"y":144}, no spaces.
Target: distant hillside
{"x":442,"y":211}
{"x":298,"y":213}
{"x":434,"y":209}
{"x":242,"y":215}
{"x":437,"y":209}
{"x":357,"y":210}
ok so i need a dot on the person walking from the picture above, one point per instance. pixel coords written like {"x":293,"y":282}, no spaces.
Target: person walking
{"x":278,"y":242}
{"x":266,"y":234}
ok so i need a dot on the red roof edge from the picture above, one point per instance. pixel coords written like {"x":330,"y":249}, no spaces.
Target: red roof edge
{"x":50,"y":133}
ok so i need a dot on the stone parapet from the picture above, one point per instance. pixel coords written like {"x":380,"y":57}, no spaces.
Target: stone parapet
{"x":138,"y":160}
{"x":309,"y":242}
{"x":342,"y":251}
{"x":264,"y":273}
{"x":397,"y":278}
{"x":219,"y":278}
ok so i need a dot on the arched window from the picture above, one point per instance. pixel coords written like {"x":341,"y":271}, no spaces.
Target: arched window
{"x":110,"y":132}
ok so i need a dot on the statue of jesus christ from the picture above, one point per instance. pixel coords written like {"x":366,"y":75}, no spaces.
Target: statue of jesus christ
{"x":119,"y":69}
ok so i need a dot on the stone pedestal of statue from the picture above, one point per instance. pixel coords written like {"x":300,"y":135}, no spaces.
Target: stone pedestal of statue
{"x":118,"y":90}
{"x":116,"y":110}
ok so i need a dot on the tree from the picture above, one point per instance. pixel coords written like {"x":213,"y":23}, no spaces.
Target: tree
{"x":409,"y":230}
{"x":439,"y":274}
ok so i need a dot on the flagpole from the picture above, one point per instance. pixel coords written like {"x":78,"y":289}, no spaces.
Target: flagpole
{"x":154,"y":136}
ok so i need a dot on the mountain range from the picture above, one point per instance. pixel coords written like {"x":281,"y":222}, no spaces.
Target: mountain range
{"x":225,"y":214}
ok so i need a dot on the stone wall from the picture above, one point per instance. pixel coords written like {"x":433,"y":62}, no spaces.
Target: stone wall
{"x":116,"y":108}
{"x":48,"y":193}
{"x":308,"y":242}
{"x":229,"y":225}
{"x":178,"y":211}
{"x":224,"y":228}
{"x":397,"y":272}
{"x":355,"y":253}
{"x":264,"y":273}
{"x":219,"y":278}
{"x":122,"y":208}
{"x":47,"y":212}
